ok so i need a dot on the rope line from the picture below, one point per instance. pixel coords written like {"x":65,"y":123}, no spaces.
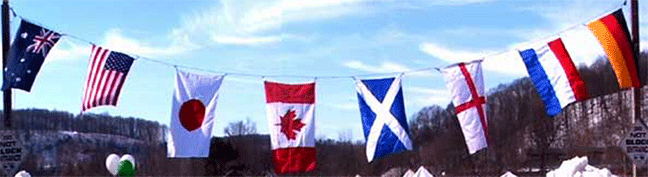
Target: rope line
{"x":241,"y":74}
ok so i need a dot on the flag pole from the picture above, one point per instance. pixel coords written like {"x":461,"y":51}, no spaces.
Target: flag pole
{"x":634,"y":11}
{"x":5,"y":55}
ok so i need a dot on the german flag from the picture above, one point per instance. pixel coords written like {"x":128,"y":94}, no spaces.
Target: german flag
{"x":612,"y":32}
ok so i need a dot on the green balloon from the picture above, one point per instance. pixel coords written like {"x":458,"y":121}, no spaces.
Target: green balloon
{"x":125,"y":168}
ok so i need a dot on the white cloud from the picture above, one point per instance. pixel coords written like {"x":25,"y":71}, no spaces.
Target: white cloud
{"x":454,"y":2}
{"x":247,"y":22}
{"x":507,"y":62}
{"x":116,"y":41}
{"x":565,"y":20}
{"x":644,"y":39}
{"x":450,"y":55}
{"x":582,"y":45}
{"x":65,"y":50}
{"x":243,"y":80}
{"x":256,"y":40}
{"x":428,"y":91}
{"x":564,"y":14}
{"x":348,"y":106}
{"x":68,"y":49}
{"x":250,"y":22}
{"x":261,"y":18}
{"x":384,"y":67}
{"x":426,"y":96}
{"x":235,"y":40}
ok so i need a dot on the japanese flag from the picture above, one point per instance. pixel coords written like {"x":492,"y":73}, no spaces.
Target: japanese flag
{"x":193,"y":113}
{"x":291,"y":117}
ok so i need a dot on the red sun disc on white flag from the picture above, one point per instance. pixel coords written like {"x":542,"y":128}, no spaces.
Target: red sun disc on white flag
{"x":192,"y":113}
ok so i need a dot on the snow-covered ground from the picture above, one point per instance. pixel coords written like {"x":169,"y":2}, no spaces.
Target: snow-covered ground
{"x":578,"y":167}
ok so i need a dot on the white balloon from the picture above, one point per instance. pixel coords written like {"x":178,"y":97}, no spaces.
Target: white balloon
{"x":129,"y":158}
{"x":112,"y":162}
{"x":22,"y":174}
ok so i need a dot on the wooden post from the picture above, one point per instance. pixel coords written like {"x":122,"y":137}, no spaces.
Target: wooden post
{"x":634,"y":11}
{"x":634,"y":5}
{"x":5,"y":56}
{"x":638,"y":98}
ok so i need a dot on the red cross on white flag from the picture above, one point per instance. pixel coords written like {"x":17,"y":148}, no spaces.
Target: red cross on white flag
{"x":466,"y":84}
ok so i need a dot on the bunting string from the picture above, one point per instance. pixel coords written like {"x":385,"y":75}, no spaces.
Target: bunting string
{"x":111,"y":68}
{"x":407,"y":72}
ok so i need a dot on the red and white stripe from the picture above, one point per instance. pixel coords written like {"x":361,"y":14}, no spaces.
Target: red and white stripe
{"x":102,"y":86}
{"x":561,"y":72}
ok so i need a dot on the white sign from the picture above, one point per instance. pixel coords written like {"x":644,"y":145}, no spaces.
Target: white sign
{"x":635,"y":144}
{"x":12,"y":152}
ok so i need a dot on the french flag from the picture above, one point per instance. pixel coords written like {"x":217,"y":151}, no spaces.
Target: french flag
{"x":554,"y":75}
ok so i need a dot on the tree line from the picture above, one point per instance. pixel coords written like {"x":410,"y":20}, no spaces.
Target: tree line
{"x":522,"y":138}
{"x":41,"y":119}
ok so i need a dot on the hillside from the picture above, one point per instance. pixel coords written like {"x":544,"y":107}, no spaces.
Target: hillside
{"x":523,"y":139}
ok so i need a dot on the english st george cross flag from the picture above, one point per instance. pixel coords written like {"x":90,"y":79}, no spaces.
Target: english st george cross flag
{"x":291,"y":120}
{"x":107,"y":71}
{"x":466,"y":84}
{"x":192,"y":114}
{"x":383,"y":117}
{"x":27,"y":54}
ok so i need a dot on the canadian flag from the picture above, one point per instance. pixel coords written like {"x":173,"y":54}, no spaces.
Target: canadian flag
{"x":291,"y":117}
{"x":192,"y":115}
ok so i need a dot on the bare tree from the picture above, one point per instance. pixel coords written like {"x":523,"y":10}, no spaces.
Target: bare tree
{"x":345,"y":135}
{"x":238,"y":128}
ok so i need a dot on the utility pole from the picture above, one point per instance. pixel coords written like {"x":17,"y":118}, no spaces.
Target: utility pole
{"x":638,"y":97}
{"x":634,"y":11}
{"x":5,"y":56}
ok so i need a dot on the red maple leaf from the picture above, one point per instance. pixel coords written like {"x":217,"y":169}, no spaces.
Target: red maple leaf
{"x":290,"y":125}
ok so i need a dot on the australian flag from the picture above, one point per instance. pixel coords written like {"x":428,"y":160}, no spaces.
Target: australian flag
{"x":27,"y":54}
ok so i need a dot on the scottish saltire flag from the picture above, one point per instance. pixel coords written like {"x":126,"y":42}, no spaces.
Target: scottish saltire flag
{"x":612,"y":32}
{"x":27,"y":54}
{"x":466,"y":84}
{"x":383,"y":117}
{"x":554,"y":75}
{"x":106,"y":75}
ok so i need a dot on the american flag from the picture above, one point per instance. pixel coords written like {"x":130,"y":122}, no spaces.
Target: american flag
{"x":106,"y":75}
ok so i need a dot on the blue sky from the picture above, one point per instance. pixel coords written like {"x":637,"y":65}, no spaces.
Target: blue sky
{"x":291,"y":37}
